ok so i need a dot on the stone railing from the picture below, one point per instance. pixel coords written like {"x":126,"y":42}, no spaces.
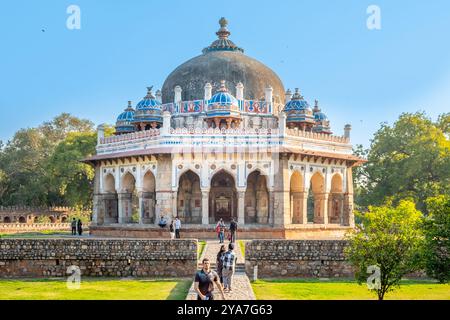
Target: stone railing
{"x":98,"y":257}
{"x":152,"y":133}
{"x":317,"y":136}
{"x":216,"y":131}
{"x":25,"y":227}
{"x":37,"y":209}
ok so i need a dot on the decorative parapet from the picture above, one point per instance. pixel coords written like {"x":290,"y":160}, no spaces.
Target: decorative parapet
{"x":217,"y":131}
{"x":317,"y":136}
{"x":131,"y":136}
{"x":39,"y":209}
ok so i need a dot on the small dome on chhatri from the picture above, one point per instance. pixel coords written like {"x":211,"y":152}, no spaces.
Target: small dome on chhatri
{"x":297,"y":103}
{"x":149,"y":101}
{"x":125,"y":119}
{"x":318,"y":115}
{"x":223,"y":97}
{"x":148,"y":111}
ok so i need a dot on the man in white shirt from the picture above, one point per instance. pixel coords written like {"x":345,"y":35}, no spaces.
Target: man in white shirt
{"x":177,"y":228}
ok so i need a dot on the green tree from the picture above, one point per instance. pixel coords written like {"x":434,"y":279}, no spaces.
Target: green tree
{"x":69,"y":180}
{"x":409,"y":160}
{"x":437,"y":239}
{"x":389,"y":238}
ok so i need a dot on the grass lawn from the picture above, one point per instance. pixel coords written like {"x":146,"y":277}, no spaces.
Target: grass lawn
{"x":95,"y":289}
{"x":241,"y":244}
{"x":314,"y":289}
{"x":200,"y":248}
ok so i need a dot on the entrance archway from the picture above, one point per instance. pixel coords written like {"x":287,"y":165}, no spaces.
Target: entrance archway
{"x":129,"y":199}
{"x":222,"y":197}
{"x":110,"y":214}
{"x":148,"y":198}
{"x":315,"y":198}
{"x":336,"y":200}
{"x":297,"y":194}
{"x":189,"y":197}
{"x":256,"y":199}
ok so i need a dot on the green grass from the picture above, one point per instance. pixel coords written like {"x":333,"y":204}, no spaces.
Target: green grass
{"x":314,"y":289}
{"x":200,"y":248}
{"x":242,"y":247}
{"x":40,"y":234}
{"x":95,"y":289}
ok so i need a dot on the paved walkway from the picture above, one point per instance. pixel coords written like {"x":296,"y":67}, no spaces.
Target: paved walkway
{"x":242,"y":290}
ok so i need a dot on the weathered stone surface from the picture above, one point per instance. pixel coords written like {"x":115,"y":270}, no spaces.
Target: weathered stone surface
{"x":97,"y":257}
{"x":297,"y":258}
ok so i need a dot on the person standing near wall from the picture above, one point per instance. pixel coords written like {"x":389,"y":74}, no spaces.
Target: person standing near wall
{"x":172,"y":230}
{"x":233,"y":230}
{"x":74,"y":227}
{"x":80,"y":227}
{"x":177,"y":227}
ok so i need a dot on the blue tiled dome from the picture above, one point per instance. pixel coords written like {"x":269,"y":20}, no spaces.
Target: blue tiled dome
{"x":223,"y":99}
{"x":124,"y":122}
{"x":149,"y":109}
{"x":297,"y":103}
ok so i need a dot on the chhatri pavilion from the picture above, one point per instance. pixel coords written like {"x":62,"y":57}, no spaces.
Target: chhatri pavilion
{"x":224,"y":139}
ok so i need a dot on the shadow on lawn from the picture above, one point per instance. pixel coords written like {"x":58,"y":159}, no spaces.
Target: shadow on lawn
{"x":180,"y":291}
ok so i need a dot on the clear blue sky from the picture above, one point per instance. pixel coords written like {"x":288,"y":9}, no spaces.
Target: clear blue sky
{"x":360,"y":76}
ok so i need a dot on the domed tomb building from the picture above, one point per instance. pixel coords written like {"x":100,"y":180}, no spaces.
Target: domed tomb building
{"x":223,"y":139}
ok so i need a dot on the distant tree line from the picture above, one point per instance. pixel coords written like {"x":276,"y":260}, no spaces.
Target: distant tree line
{"x":41,"y":166}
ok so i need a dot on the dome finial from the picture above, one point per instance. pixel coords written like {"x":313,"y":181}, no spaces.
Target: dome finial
{"x":223,"y":88}
{"x":316,"y":106}
{"x":149,"y":93}
{"x":297,"y":95}
{"x":223,"y":32}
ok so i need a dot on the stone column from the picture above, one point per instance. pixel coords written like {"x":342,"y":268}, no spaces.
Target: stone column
{"x":271,"y":211}
{"x":124,"y":207}
{"x":325,"y":208}
{"x":282,"y":194}
{"x":141,"y":207}
{"x":241,"y":204}
{"x":349,"y":218}
{"x":205,"y":207}
{"x":305,"y":208}
{"x":174,"y":204}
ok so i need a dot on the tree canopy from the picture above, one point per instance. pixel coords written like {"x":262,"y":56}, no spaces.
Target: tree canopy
{"x":40,"y":166}
{"x":408,"y":160}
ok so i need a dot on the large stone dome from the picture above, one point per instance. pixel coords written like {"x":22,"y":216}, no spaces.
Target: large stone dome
{"x":222,"y":60}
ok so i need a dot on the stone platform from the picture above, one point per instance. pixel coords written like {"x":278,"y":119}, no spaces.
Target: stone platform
{"x":291,"y":232}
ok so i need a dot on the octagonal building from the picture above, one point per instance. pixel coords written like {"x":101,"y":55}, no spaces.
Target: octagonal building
{"x":222,"y":139}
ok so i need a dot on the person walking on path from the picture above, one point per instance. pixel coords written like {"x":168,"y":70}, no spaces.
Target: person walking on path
{"x":205,"y":280}
{"x":220,"y":229}
{"x":177,"y":227}
{"x":80,"y":227}
{"x":229,"y":263}
{"x":74,"y":227}
{"x":233,"y":230}
{"x":219,"y":262}
{"x":172,"y":230}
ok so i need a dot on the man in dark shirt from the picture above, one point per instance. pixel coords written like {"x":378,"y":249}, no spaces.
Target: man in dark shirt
{"x":233,"y":230}
{"x":204,"y":282}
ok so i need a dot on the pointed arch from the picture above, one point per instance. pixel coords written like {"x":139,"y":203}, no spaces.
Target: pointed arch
{"x":148,"y":198}
{"x":222,"y":197}
{"x":336,"y":200}
{"x":256,"y":201}
{"x":297,"y":194}
{"x":189,"y":198}
{"x":315,"y":202}
{"x":109,"y":183}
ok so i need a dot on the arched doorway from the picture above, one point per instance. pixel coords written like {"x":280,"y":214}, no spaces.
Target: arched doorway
{"x":148,"y":198}
{"x":315,"y":198}
{"x":52,"y":219}
{"x":22,"y":220}
{"x":110,"y":214}
{"x":256,"y":199}
{"x":63,"y":219}
{"x":6,"y":220}
{"x":189,"y":197}
{"x":336,"y":200}
{"x":129,"y":199}
{"x":296,"y":195}
{"x":222,"y":197}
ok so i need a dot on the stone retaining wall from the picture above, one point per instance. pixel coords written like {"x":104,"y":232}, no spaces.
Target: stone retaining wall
{"x":297,"y":258}
{"x":97,"y":257}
